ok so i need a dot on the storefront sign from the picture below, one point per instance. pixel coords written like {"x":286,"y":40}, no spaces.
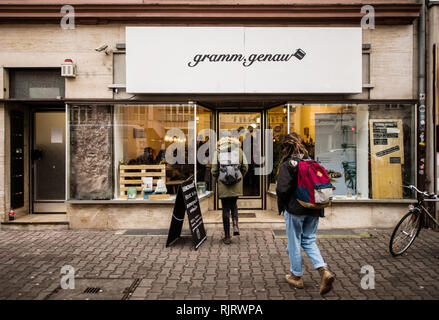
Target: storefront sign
{"x":187,"y":201}
{"x":243,"y":60}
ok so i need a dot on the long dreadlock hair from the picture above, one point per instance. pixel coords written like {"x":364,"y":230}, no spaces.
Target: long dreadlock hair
{"x":292,"y":146}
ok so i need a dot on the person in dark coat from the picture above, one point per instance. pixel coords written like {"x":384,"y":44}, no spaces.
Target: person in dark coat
{"x":301,"y":223}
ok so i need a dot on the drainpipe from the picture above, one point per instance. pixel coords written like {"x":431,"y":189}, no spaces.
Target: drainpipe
{"x":423,"y":180}
{"x":425,"y":119}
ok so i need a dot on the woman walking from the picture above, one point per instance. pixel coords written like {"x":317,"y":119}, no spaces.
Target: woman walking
{"x":301,"y":222}
{"x":229,"y":166}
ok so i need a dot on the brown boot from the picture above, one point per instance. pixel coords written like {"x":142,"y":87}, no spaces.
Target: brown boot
{"x":327,"y":280}
{"x":295,"y":281}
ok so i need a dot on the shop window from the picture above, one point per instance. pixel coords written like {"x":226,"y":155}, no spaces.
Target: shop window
{"x":91,"y":136}
{"x":142,"y":135}
{"x":36,"y":83}
{"x":335,"y":147}
{"x":392,"y":142}
{"x":368,"y":150}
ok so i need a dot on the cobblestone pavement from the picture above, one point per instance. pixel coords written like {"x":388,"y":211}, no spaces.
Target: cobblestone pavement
{"x":252,"y":267}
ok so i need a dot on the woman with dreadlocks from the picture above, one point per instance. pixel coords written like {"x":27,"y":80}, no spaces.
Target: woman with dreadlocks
{"x":301,"y":222}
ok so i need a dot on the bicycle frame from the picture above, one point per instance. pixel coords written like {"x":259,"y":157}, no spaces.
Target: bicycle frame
{"x":420,"y":205}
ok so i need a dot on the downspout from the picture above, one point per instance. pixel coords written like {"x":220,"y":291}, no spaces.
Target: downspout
{"x":421,"y":169}
{"x":425,"y":119}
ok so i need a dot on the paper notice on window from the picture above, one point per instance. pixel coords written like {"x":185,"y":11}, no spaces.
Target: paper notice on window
{"x":56,"y":135}
{"x":393,"y":130}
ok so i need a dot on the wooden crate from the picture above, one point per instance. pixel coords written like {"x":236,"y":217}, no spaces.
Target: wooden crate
{"x":131,"y":176}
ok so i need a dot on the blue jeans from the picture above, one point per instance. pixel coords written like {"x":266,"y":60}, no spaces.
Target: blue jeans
{"x":301,"y":232}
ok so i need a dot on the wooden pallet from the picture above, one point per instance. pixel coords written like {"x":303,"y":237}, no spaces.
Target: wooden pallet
{"x":131,"y":177}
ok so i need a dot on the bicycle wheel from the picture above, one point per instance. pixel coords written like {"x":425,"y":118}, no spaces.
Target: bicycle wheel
{"x":405,"y":233}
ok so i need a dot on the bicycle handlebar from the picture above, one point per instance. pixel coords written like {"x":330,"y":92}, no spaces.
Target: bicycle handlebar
{"x":424,"y":193}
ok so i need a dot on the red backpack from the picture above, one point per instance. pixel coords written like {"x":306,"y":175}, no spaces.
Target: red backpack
{"x":314,"y":189}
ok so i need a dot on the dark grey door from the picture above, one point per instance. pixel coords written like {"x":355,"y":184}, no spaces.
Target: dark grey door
{"x":48,"y":161}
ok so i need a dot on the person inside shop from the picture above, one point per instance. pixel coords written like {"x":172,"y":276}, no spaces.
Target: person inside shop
{"x":301,"y":223}
{"x":250,"y":180}
{"x":147,"y":157}
{"x":229,"y":166}
{"x":203,"y":165}
{"x":161,"y":156}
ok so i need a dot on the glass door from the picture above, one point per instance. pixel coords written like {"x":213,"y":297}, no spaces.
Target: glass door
{"x":48,"y":162}
{"x":247,"y":127}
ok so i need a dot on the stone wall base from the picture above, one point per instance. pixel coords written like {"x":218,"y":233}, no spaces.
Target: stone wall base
{"x":356,"y":215}
{"x":125,"y":216}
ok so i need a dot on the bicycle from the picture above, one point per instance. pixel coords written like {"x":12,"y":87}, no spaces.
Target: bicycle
{"x":410,"y":225}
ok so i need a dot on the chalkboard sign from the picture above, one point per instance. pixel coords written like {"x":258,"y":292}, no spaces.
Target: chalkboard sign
{"x":187,"y":201}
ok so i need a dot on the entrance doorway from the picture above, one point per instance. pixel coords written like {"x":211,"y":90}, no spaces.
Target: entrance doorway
{"x":48,"y":154}
{"x":243,"y":125}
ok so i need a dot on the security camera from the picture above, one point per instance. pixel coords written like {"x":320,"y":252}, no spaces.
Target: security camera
{"x":102,"y":48}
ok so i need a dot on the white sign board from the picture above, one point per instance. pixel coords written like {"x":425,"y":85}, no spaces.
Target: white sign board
{"x":243,"y":60}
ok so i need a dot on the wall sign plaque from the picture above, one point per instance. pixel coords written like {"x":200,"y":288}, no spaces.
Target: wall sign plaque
{"x":382,"y":142}
{"x":385,"y":135}
{"x":390,"y":124}
{"x":387,"y":151}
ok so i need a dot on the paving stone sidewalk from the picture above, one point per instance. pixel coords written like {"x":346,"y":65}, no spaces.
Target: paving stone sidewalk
{"x":252,"y":267}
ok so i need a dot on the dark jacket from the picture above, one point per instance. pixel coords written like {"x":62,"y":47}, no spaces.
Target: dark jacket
{"x":286,"y":191}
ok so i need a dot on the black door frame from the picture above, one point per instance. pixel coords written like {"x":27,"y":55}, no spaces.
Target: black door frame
{"x":263,"y":178}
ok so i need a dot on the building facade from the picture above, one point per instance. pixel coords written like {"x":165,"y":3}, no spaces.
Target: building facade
{"x":88,"y":110}
{"x":432,"y":74}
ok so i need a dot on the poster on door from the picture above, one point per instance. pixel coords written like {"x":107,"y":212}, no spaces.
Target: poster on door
{"x":386,"y":158}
